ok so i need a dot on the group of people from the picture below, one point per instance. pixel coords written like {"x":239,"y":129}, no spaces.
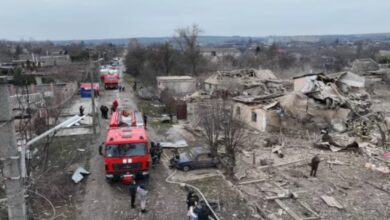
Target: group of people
{"x":104,"y":109}
{"x":155,"y":153}
{"x":121,"y":88}
{"x":197,"y":210}
{"x":138,"y":190}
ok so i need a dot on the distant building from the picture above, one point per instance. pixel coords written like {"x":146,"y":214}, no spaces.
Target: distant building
{"x":365,"y":65}
{"x":57,"y":60}
{"x":220,"y":52}
{"x":179,"y":85}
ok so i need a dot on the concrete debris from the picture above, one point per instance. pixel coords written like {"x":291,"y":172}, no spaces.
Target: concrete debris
{"x":330,"y":201}
{"x":78,"y":174}
{"x":176,"y":144}
{"x":165,"y":118}
{"x":327,"y":100}
{"x":251,"y":181}
{"x":238,"y":80}
{"x":373,"y":167}
{"x":335,"y":162}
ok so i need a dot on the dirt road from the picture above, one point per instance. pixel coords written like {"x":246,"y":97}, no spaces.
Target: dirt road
{"x":111,"y":201}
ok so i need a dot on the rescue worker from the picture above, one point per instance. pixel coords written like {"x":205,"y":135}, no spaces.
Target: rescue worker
{"x":102,"y":110}
{"x":81,"y":110}
{"x":192,"y":198}
{"x":191,"y":212}
{"x":202,"y":211}
{"x":171,"y":118}
{"x":145,"y":119}
{"x":327,"y":138}
{"x":175,"y":158}
{"x":135,"y":86}
{"x":158,"y":152}
{"x":153,"y":153}
{"x":142,"y":195}
{"x":114,"y":105}
{"x":133,"y":193}
{"x":105,"y":111}
{"x":315,"y":161}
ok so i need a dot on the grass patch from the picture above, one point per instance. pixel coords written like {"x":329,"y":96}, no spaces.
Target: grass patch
{"x":151,"y":108}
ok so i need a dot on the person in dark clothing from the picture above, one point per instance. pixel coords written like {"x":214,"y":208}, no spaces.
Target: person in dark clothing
{"x":105,"y":111}
{"x":314,"y":165}
{"x":81,"y":110}
{"x":171,"y":118}
{"x":327,"y":138}
{"x":102,"y":110}
{"x":135,"y":86}
{"x":191,"y":199}
{"x":153,"y":153}
{"x":158,"y":152}
{"x":145,"y":119}
{"x":133,"y":192}
{"x":202,"y":211}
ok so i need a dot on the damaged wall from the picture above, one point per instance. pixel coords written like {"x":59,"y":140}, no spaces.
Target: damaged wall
{"x":257,"y":117}
{"x":305,"y":110}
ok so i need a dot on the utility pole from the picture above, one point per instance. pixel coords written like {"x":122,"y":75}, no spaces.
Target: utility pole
{"x":10,"y":158}
{"x":91,"y":74}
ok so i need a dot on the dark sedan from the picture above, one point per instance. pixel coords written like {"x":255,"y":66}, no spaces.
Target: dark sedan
{"x":195,"y":158}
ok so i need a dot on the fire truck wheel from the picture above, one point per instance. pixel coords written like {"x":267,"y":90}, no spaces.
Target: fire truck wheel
{"x":186,"y":168}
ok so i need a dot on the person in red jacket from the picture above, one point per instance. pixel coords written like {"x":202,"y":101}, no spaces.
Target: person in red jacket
{"x":114,"y":105}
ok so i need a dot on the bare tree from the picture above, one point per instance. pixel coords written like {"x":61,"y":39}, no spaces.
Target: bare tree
{"x":210,"y":121}
{"x":234,"y":136}
{"x":135,"y":58}
{"x":222,"y":128}
{"x":187,"y":40}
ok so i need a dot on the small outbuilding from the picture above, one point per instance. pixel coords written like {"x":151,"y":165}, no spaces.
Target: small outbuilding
{"x":179,"y":85}
{"x":85,"y":89}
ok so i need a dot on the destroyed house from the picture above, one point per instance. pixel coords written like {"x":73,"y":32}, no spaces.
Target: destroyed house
{"x":236,"y":79}
{"x":326,"y":100}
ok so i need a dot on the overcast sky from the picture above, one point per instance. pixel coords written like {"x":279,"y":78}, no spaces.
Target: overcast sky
{"x":99,"y":19}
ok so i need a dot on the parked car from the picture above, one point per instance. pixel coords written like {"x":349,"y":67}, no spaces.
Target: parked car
{"x":195,"y":158}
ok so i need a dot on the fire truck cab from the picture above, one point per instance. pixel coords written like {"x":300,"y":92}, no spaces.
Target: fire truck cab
{"x":126,"y":154}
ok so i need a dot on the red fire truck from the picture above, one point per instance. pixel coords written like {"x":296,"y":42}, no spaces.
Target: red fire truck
{"x":125,"y":119}
{"x":126,"y":154}
{"x":110,"y":81}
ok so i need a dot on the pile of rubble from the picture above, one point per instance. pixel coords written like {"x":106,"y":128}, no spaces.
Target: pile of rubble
{"x":327,"y":100}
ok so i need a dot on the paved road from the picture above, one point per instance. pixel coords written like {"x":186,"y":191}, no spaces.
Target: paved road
{"x":111,"y":201}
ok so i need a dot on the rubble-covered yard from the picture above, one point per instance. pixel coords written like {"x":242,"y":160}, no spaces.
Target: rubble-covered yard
{"x":341,"y":175}
{"x":54,"y":183}
{"x":215,"y":189}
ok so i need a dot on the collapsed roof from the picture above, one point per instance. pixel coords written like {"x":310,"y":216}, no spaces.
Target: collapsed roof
{"x":242,"y":75}
{"x":331,"y":99}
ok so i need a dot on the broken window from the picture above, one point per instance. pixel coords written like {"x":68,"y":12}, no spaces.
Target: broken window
{"x":254,"y":116}
{"x":238,"y":110}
